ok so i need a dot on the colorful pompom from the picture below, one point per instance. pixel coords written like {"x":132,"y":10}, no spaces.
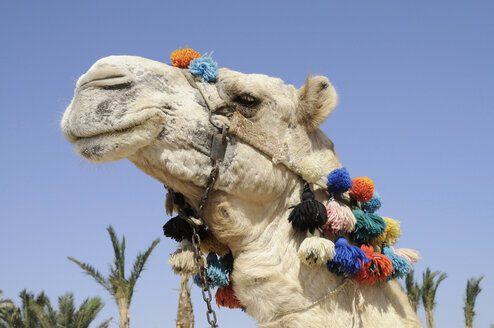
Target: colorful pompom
{"x":182,"y":57}
{"x":339,"y":181}
{"x":411,"y":255}
{"x":379,"y":267}
{"x":392,"y":233}
{"x":362,"y":189}
{"x":340,"y":219}
{"x":226,"y":297}
{"x":205,"y":67}
{"x":308,"y":214}
{"x":316,"y":250}
{"x":368,"y":226}
{"x":211,"y":244}
{"x":348,"y":259}
{"x":216,"y":272}
{"x":183,"y":260}
{"x":372,"y":205}
{"x":401,"y":266}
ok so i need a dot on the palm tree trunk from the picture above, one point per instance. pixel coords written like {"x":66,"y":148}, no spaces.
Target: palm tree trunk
{"x":429,"y":317}
{"x":123,"y":311}
{"x":185,"y":314}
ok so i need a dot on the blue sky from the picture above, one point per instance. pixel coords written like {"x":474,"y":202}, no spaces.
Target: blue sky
{"x":415,"y":80}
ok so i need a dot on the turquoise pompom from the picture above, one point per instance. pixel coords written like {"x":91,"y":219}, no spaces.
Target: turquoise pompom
{"x":216,"y":272}
{"x":400,"y":265}
{"x":368,"y":226}
{"x":205,"y":67}
{"x":372,"y":205}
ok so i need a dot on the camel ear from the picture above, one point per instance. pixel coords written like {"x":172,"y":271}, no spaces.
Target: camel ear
{"x":317,"y":99}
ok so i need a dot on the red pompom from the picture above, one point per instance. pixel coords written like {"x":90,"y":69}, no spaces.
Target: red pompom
{"x":379,"y":267}
{"x":226,"y":297}
{"x":362,"y":189}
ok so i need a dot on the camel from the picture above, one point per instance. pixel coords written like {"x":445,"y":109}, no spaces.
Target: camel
{"x":150,"y":113}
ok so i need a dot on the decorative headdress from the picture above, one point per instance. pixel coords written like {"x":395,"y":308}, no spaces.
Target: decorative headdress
{"x":345,"y":234}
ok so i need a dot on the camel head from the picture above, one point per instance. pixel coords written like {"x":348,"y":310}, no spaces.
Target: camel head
{"x":150,"y":113}
{"x":164,"y":119}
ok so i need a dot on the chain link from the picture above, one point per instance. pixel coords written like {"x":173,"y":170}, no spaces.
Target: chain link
{"x":201,"y":268}
{"x":196,"y":243}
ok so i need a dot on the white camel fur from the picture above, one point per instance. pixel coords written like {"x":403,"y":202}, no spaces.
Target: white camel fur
{"x":147,"y":112}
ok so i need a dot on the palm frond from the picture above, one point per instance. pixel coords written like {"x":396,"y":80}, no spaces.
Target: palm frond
{"x":138,"y":267}
{"x":91,"y":271}
{"x":87,"y":312}
{"x":106,"y":323}
{"x":66,"y":310}
{"x":118,"y":250}
{"x":413,"y":290}
{"x":472,"y":291}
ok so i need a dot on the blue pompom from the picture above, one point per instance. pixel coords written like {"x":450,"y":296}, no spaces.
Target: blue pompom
{"x":339,"y":181}
{"x":205,"y":67}
{"x":217,"y":273}
{"x":372,"y":205}
{"x":348,"y":259}
{"x":400,"y":265}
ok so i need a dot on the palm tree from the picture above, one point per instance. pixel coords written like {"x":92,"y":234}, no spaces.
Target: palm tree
{"x":120,"y":287}
{"x":413,"y":291}
{"x":429,"y":289}
{"x":37,"y":312}
{"x":472,"y":291}
{"x":6,"y":306}
{"x":68,"y":317}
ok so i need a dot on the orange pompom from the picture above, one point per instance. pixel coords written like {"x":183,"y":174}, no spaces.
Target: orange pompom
{"x":379,"y":268}
{"x":362,"y":189}
{"x":182,"y":57}
{"x":226,"y":297}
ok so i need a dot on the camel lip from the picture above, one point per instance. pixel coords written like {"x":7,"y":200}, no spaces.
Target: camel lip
{"x":132,"y":123}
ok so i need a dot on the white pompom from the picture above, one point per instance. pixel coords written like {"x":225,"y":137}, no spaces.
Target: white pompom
{"x":310,"y":168}
{"x":316,"y":251}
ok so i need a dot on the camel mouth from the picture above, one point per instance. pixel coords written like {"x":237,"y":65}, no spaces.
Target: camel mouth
{"x":107,"y":145}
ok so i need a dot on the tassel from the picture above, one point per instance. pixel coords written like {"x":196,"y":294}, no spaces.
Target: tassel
{"x":226,"y":297}
{"x":211,"y":244}
{"x":401,"y":266}
{"x":379,"y":267}
{"x":227,"y":261}
{"x":315,"y":250}
{"x":183,"y":260}
{"x":391,"y":234}
{"x":410,"y":255}
{"x":339,"y":181}
{"x":217,"y":273}
{"x":362,"y":189}
{"x":179,"y":229}
{"x":348,"y":259}
{"x":340,"y":219}
{"x":368,"y":226}
{"x":308,"y":214}
{"x":372,"y":205}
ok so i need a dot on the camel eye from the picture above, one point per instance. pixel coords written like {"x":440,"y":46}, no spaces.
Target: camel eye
{"x":247,"y":100}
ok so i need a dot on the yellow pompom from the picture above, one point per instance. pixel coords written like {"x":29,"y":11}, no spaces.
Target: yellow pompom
{"x":311,"y":169}
{"x":211,"y":244}
{"x":316,"y":251}
{"x":391,"y":234}
{"x":182,"y":57}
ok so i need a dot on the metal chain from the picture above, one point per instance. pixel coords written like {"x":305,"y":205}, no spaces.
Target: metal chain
{"x":196,"y":243}
{"x":206,"y":292}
